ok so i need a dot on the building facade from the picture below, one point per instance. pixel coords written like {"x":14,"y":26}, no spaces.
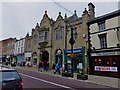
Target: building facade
{"x":80,"y":34}
{"x":28,"y":49}
{"x":51,"y":37}
{"x":8,"y":49}
{"x":19,"y":50}
{"x":104,"y":44}
{"x":42,"y":40}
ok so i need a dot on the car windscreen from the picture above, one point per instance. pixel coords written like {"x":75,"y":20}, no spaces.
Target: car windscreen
{"x":9,"y":75}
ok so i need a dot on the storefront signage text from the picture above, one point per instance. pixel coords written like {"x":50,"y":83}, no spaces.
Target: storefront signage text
{"x":105,"y":53}
{"x":102,"y":68}
{"x":74,"y":50}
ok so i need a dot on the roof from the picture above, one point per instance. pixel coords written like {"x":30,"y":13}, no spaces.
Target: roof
{"x":104,"y":17}
{"x":72,"y":18}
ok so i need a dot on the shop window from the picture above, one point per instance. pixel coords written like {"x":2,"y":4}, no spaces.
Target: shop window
{"x":114,"y":62}
{"x":101,"y":62}
{"x":107,"y":62}
{"x":95,"y":62}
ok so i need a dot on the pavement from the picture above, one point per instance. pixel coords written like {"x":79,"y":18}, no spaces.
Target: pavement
{"x":102,"y":80}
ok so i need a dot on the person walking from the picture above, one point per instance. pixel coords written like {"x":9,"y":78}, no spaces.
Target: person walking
{"x":57,"y":68}
{"x":40,"y":66}
{"x":53,"y":67}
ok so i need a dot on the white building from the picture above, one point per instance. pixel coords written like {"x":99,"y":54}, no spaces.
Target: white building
{"x":19,"y":50}
{"x":104,"y":44}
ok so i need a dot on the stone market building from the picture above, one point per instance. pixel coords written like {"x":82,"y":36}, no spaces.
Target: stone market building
{"x":50,"y":38}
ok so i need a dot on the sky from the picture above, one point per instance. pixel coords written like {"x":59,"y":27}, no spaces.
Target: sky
{"x":18,"y":17}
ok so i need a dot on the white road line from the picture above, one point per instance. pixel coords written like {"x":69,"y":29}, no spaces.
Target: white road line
{"x":47,"y":81}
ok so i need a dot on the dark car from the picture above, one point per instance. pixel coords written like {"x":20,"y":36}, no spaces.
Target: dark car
{"x":10,"y":79}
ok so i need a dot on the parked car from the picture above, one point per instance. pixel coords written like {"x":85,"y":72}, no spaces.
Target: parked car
{"x":10,"y":79}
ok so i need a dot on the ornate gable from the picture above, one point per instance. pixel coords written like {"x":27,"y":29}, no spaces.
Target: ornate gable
{"x":59,"y":18}
{"x":59,"y":21}
{"x":45,"y":20}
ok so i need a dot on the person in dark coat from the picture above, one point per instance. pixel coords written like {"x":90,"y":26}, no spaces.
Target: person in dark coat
{"x":23,"y":63}
{"x":53,"y":67}
{"x":40,"y":66}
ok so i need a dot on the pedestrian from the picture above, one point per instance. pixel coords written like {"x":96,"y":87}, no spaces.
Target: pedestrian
{"x":57,"y":68}
{"x":53,"y":67}
{"x":63,"y":68}
{"x":23,"y":63}
{"x":66,"y":67}
{"x":47,"y":65}
{"x":79,"y":67}
{"x":40,"y":66}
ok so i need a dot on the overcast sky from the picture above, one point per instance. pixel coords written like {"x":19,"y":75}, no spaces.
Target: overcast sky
{"x":18,"y":18}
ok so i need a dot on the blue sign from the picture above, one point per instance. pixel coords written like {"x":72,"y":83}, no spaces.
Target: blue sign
{"x":74,"y":50}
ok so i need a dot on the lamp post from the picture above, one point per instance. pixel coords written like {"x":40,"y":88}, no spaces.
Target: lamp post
{"x":66,"y":31}
{"x":72,"y":41}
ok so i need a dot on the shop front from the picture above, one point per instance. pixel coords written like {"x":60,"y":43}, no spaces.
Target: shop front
{"x":28,"y":56}
{"x":77,"y":58}
{"x":34,"y":61}
{"x":20,"y":58}
{"x":105,"y":63}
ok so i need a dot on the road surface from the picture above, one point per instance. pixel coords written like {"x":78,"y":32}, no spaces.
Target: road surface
{"x":34,"y":79}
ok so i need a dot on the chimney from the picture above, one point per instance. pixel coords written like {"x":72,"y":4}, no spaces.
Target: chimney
{"x":91,"y":10}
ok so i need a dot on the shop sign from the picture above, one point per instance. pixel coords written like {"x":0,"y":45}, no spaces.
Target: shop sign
{"x":105,"y":53}
{"x":74,"y":50}
{"x":28,"y":54}
{"x":103,"y":68}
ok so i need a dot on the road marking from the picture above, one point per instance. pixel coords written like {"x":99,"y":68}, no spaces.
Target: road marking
{"x":47,"y":81}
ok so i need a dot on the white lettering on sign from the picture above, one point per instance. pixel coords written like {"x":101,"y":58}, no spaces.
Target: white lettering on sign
{"x":105,"y":53}
{"x":104,"y":68}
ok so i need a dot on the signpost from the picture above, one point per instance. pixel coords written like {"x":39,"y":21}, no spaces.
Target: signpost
{"x":72,"y":41}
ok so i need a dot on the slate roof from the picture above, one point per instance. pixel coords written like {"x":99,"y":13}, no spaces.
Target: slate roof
{"x":72,"y":18}
{"x":104,"y":17}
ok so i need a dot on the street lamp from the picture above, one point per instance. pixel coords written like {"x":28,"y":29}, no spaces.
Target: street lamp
{"x":72,"y":41}
{"x":66,"y":31}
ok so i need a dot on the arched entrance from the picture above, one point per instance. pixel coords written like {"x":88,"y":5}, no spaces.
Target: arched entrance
{"x":58,"y":56}
{"x":44,"y":57}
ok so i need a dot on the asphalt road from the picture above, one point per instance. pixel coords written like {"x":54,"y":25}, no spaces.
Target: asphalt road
{"x":33,"y":79}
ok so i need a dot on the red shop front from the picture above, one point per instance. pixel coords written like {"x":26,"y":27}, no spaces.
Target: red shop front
{"x":105,"y":64}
